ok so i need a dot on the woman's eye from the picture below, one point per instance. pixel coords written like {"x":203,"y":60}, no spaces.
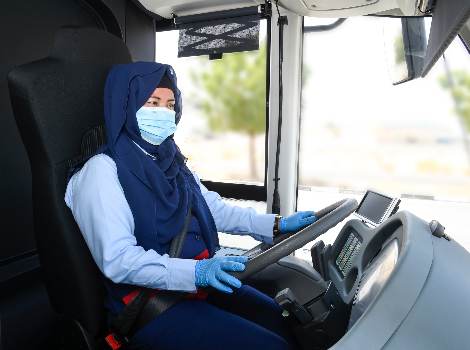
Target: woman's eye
{"x":171,"y":106}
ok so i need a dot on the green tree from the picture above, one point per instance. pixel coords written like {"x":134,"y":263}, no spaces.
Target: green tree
{"x":399,"y":48}
{"x":459,"y":86}
{"x":233,"y":95}
{"x":458,"y":82}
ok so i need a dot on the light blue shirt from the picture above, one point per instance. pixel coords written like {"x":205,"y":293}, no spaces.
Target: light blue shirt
{"x":99,"y":206}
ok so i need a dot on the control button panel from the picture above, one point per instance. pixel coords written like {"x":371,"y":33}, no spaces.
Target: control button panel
{"x":345,"y":258}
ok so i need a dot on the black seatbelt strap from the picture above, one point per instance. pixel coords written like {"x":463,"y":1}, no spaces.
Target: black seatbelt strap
{"x":177,"y":243}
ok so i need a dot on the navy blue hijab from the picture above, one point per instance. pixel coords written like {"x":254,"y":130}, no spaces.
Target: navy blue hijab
{"x":159,"y":191}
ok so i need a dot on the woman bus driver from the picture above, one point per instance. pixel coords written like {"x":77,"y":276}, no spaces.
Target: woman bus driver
{"x":132,"y":198}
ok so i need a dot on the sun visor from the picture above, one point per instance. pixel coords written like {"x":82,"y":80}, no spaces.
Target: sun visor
{"x":448,"y":18}
{"x":219,"y":36}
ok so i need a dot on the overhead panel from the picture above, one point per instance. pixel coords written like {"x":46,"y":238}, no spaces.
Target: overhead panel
{"x":347,"y":8}
{"x":328,"y":5}
{"x":314,"y":8}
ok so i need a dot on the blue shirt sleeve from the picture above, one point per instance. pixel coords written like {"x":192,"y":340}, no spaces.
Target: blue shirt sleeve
{"x":99,"y":206}
{"x":236,"y":220}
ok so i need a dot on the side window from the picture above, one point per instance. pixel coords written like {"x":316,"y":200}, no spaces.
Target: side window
{"x":359,"y":131}
{"x":223,"y":128}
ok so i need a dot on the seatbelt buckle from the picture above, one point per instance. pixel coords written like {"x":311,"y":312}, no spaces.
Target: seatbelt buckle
{"x":129,"y":297}
{"x":115,"y":342}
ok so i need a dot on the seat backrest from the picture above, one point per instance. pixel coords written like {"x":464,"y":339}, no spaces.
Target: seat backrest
{"x":56,"y":101}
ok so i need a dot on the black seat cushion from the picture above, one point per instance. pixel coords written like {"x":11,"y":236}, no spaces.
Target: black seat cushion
{"x":56,"y":100}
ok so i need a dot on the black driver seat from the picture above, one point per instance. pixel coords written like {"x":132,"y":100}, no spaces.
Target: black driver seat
{"x":56,"y":101}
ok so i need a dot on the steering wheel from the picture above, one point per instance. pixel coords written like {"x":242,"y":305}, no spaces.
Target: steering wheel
{"x":265,"y":254}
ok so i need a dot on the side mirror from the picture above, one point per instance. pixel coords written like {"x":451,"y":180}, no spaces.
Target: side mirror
{"x":405,"y":43}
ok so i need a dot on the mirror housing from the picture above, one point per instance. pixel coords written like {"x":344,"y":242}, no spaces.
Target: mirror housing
{"x":405,"y":47}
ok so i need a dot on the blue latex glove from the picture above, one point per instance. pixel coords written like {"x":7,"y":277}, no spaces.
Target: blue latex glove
{"x":211,"y":272}
{"x":297,"y":221}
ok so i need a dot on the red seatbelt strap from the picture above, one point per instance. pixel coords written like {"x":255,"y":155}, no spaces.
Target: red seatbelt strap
{"x":199,"y":295}
{"x":129,"y":297}
{"x":113,"y":342}
{"x":112,"y":339}
{"x":203,"y":255}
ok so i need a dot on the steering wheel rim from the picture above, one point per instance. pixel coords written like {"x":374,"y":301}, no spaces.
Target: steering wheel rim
{"x":287,"y":243}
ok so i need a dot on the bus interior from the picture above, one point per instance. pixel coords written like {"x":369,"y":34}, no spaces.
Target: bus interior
{"x":356,"y":109}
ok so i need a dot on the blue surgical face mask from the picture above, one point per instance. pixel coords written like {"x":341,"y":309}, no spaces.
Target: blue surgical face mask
{"x":156,"y":123}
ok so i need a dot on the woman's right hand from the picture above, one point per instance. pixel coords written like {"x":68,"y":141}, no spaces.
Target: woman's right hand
{"x":212,"y":272}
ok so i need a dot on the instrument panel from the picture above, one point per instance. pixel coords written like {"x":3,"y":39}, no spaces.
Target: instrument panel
{"x":357,"y":251}
{"x":396,"y":281}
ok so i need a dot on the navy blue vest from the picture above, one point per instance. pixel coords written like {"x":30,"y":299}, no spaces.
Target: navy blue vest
{"x":146,"y":233}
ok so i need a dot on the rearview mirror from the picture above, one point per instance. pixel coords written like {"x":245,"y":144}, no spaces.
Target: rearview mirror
{"x":405,"y":46}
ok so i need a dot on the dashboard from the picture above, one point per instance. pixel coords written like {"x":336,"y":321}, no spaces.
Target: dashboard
{"x":400,"y":286}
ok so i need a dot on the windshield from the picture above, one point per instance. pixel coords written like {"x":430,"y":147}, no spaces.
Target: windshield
{"x":359,"y":131}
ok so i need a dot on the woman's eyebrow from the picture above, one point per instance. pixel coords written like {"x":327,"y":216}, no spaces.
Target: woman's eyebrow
{"x":159,"y":98}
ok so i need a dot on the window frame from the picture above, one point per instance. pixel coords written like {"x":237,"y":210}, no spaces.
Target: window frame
{"x":232,"y":189}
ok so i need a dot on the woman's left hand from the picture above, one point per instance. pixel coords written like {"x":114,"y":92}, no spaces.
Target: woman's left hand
{"x":296,"y":221}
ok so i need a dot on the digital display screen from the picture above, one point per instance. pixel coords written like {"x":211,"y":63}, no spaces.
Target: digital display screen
{"x":373,"y":206}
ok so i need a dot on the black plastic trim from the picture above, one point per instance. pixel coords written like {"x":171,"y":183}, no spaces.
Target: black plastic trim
{"x":324,"y":28}
{"x":210,"y":16}
{"x":237,"y":191}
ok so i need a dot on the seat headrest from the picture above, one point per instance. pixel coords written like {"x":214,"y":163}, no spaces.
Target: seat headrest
{"x":62,"y":95}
